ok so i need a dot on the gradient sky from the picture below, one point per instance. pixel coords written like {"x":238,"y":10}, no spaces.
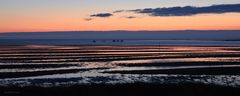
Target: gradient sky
{"x":70,"y":15}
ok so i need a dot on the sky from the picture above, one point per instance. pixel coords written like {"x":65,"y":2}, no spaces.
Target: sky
{"x":105,"y":15}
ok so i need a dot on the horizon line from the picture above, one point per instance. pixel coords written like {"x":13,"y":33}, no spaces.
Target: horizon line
{"x":109,"y":31}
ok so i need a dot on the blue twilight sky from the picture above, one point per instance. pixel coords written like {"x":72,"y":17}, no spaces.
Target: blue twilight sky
{"x":95,"y":5}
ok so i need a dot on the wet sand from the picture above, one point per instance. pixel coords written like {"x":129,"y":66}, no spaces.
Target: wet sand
{"x":187,"y":71}
{"x":121,"y":70}
{"x":4,"y":75}
{"x":136,"y":89}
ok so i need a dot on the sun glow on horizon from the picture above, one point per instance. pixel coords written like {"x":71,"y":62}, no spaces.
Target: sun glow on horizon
{"x":45,"y":16}
{"x":227,"y":21}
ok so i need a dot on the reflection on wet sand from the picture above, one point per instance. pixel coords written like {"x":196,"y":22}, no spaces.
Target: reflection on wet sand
{"x":42,"y":65}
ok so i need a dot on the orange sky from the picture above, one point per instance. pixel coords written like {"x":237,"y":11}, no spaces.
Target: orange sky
{"x":58,"y":22}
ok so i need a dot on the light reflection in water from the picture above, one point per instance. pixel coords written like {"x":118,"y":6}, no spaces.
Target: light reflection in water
{"x":108,"y":58}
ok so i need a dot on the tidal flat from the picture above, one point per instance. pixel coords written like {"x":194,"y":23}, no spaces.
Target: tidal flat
{"x":78,"y":66}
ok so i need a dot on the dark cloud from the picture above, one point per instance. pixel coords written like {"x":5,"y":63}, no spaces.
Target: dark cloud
{"x":118,"y":11}
{"x":88,"y":19}
{"x":131,"y":17}
{"x":104,"y":15}
{"x":175,"y":11}
{"x":189,"y":10}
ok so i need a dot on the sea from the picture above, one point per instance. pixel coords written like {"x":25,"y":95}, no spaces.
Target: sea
{"x":118,"y":42}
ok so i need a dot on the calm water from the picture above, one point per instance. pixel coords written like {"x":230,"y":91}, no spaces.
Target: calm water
{"x":45,"y":65}
{"x":116,"y":42}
